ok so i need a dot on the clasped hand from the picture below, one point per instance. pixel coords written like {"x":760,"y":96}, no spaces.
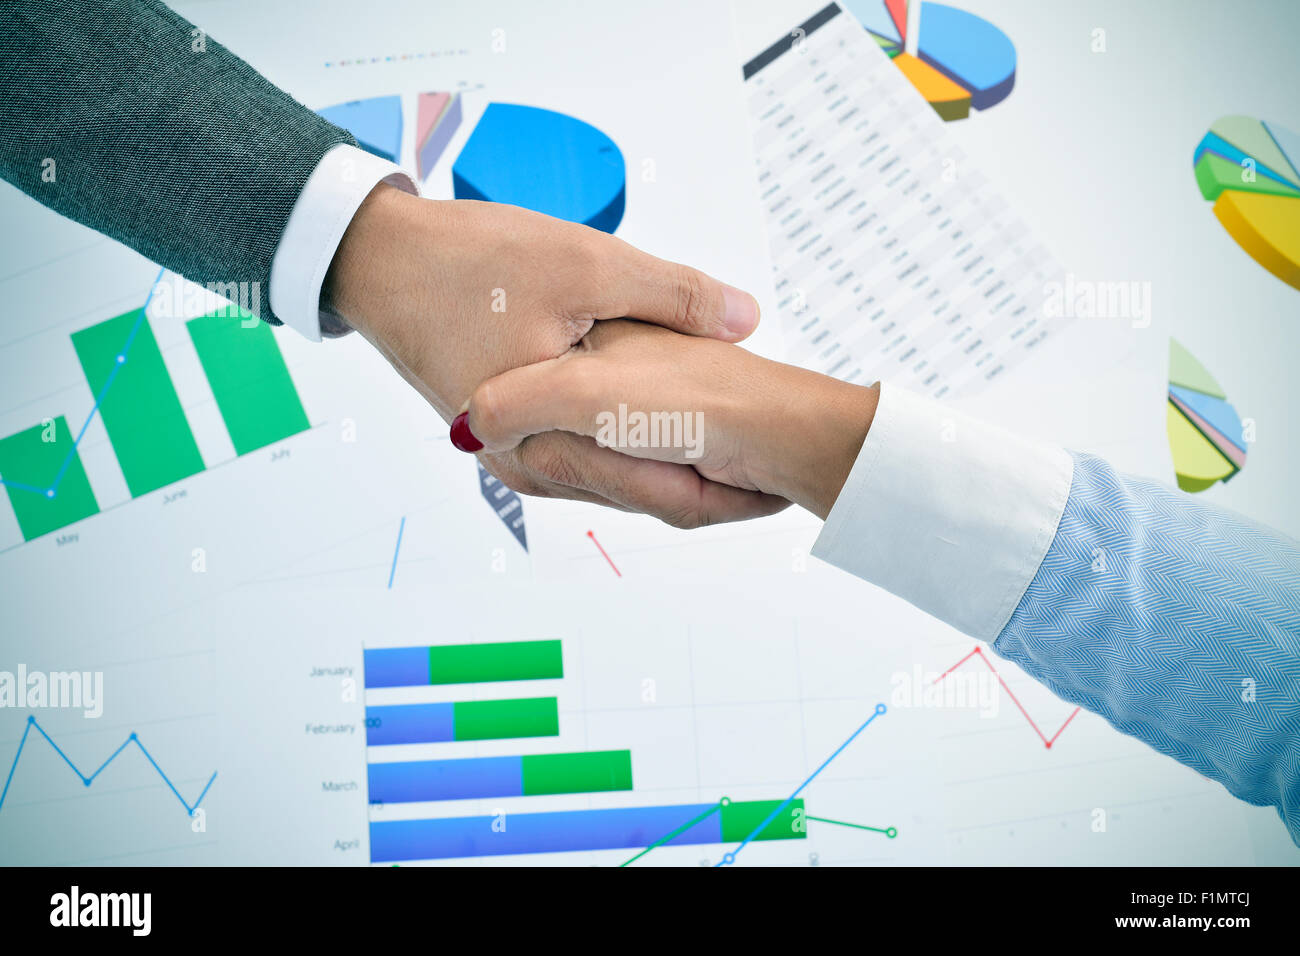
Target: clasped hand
{"x":502,"y":312}
{"x":770,"y":429}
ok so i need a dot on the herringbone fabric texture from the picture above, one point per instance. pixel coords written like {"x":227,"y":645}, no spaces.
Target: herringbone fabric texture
{"x":161,"y":137}
{"x":1177,"y":622}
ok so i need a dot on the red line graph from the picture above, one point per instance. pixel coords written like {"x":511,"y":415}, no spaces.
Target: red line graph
{"x":979,"y":652}
{"x":592,"y":536}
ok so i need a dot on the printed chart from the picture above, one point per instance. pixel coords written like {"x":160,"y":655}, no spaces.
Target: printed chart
{"x":633,"y":828}
{"x":888,"y":262}
{"x":1205,"y":432}
{"x":526,"y":156}
{"x":40,"y":467}
{"x":956,"y":60}
{"x":1251,"y":171}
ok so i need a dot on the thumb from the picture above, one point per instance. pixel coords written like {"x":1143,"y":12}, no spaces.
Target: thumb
{"x":683,"y":299}
{"x":524,"y":401}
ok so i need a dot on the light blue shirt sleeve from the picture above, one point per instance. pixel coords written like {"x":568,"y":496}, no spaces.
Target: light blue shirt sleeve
{"x":1176,"y":621}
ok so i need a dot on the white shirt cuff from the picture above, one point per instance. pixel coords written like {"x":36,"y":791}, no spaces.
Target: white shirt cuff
{"x":333,"y":193}
{"x":949,"y":513}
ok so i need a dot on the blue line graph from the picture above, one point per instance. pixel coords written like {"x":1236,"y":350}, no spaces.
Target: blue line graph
{"x":396,"y":551}
{"x":729,"y":858}
{"x":88,"y":780}
{"x":53,"y":490}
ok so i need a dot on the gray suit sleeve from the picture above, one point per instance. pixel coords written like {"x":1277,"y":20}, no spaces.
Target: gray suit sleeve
{"x":120,"y":115}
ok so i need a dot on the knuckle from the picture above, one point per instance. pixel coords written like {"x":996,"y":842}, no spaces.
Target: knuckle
{"x":694,"y":306}
{"x":686,"y":517}
{"x":586,"y":261}
{"x":489,"y":406}
{"x":505,"y":469}
{"x":548,"y":460}
{"x":525,"y":484}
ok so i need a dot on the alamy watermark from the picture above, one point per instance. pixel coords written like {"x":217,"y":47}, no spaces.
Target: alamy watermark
{"x":960,"y":690}
{"x":624,"y":429}
{"x":184,"y":298}
{"x":53,"y":690}
{"x":1095,"y":299}
{"x":77,"y":908}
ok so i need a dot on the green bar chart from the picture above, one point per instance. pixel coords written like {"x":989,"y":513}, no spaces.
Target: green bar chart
{"x":249,"y":379}
{"x":741,"y":819}
{"x":479,"y":663}
{"x":41,"y":467}
{"x":503,"y":719}
{"x":141,"y":410}
{"x":588,"y":772}
{"x":43,"y":476}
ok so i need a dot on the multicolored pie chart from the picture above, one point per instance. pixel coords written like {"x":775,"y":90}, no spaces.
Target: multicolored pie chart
{"x":1251,"y":170}
{"x":520,"y":155}
{"x":956,"y":60}
{"x":1205,"y":432}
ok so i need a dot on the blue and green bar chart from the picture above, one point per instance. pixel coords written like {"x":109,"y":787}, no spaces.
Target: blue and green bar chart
{"x":530,"y":775}
{"x":151,"y":438}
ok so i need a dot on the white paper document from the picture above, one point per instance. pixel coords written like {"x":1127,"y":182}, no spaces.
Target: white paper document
{"x":893,"y":258}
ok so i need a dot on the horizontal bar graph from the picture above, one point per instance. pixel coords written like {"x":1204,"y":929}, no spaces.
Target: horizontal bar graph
{"x":463,"y":663}
{"x":141,"y":411}
{"x":514,"y":777}
{"x":393,"y":841}
{"x":44,"y":479}
{"x":249,"y":379}
{"x":477,"y":777}
{"x":509,"y":830}
{"x":462,"y":720}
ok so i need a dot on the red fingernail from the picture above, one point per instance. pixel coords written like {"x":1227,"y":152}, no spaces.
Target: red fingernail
{"x":461,"y":436}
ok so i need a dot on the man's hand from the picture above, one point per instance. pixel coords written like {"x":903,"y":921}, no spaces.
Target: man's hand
{"x":455,"y":292}
{"x":757,"y":424}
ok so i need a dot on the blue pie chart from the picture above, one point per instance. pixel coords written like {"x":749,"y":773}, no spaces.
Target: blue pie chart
{"x":545,"y":161}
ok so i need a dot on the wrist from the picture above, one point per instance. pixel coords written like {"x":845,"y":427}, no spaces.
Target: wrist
{"x":359,"y":286}
{"x":820,"y":432}
{"x":380,"y":283}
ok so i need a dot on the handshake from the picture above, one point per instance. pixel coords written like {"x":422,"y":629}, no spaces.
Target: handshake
{"x":580,"y":367}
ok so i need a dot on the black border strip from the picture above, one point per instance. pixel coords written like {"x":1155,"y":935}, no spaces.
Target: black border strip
{"x":819,"y":19}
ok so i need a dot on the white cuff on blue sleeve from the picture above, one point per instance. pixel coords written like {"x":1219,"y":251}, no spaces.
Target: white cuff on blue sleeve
{"x":949,"y":513}
{"x":333,"y":193}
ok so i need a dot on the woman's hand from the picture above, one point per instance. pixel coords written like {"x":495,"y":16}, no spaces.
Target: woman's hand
{"x":456,"y":292}
{"x":649,"y":393}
